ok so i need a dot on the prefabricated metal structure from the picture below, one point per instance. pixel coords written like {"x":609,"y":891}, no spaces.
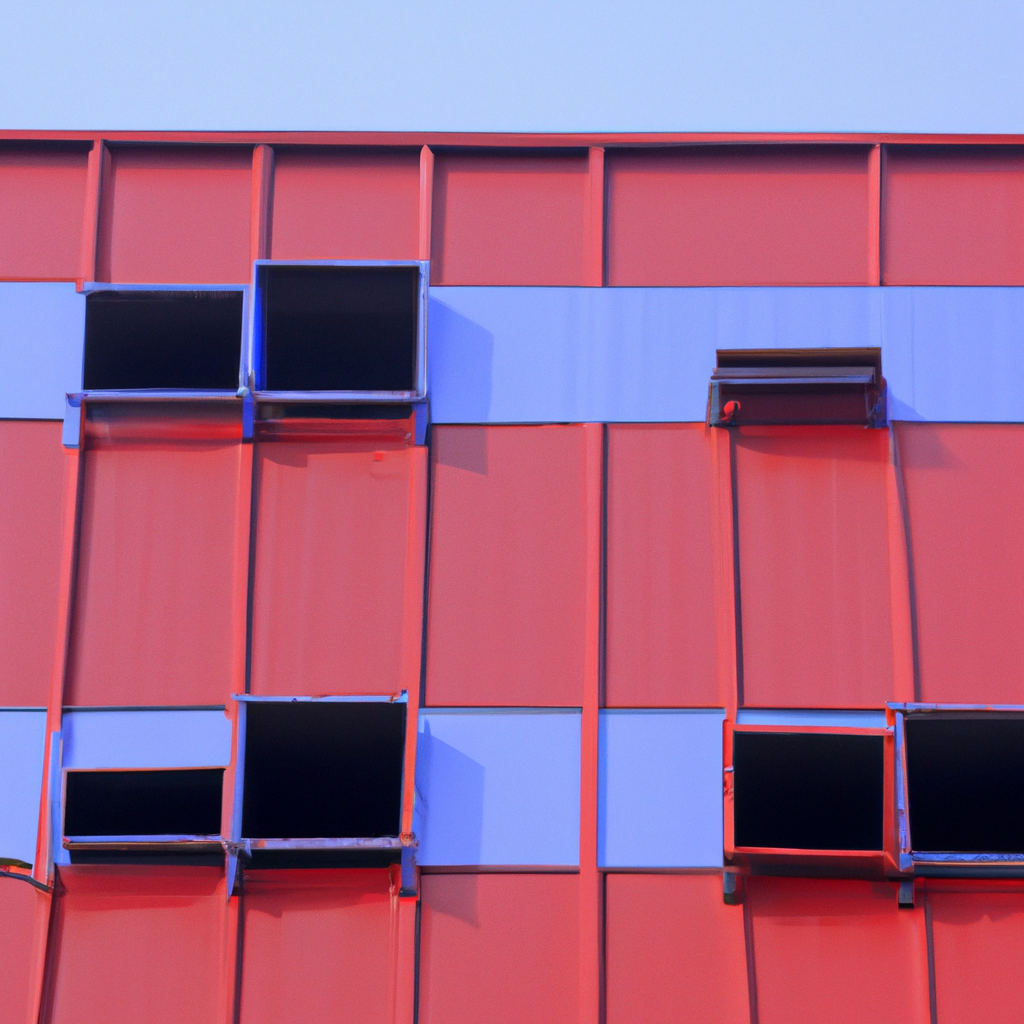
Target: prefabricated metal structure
{"x":468,"y":578}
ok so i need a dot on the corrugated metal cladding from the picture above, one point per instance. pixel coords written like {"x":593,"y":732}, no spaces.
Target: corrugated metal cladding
{"x":579,"y":585}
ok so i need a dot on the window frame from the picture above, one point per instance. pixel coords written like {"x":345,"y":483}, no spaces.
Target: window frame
{"x":874,"y":863}
{"x":254,"y":348}
{"x":938,"y":863}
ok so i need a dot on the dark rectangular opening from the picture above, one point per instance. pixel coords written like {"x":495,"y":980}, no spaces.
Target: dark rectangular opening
{"x":324,"y":858}
{"x":143,"y":803}
{"x":340,"y":328}
{"x":808,"y":791}
{"x":152,"y":339}
{"x":965,"y":777}
{"x":798,"y":386}
{"x":323,"y":769}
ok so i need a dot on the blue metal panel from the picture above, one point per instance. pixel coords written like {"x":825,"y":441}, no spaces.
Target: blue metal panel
{"x":808,"y":716}
{"x":42,"y":338}
{"x":22,"y":753}
{"x":548,"y":355}
{"x":498,"y":787}
{"x":156,"y":738}
{"x":660,"y":789}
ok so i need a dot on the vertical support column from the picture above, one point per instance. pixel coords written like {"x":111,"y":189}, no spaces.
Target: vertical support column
{"x":42,"y":869}
{"x":595,"y":218}
{"x":402,"y":953}
{"x":726,"y":591}
{"x":901,"y":582}
{"x":262,"y":189}
{"x":875,"y":215}
{"x":591,"y":881}
{"x":426,"y":202}
{"x":244,"y":542}
{"x":91,"y":217}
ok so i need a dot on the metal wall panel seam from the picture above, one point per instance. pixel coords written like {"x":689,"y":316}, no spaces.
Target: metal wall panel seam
{"x":901,"y":582}
{"x":262,"y":200}
{"x":426,"y":202}
{"x":91,"y":221}
{"x":591,"y":881}
{"x":241,"y":596}
{"x":413,"y":623}
{"x":594,"y":228}
{"x":42,"y":869}
{"x":875,"y":215}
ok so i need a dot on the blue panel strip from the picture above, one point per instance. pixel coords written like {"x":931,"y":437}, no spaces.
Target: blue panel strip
{"x":550,"y":355}
{"x":808,"y":716}
{"x":498,"y":788}
{"x":146,"y":739}
{"x":22,"y":755}
{"x":42,"y":338}
{"x":660,"y":789}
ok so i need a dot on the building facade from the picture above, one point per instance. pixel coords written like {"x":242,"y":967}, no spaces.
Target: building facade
{"x":469,"y":578}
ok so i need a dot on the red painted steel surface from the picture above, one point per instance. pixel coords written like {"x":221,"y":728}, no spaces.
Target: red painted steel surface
{"x":142,"y":944}
{"x":24,"y":920}
{"x":513,"y":219}
{"x":978,"y":942}
{"x":953,"y":215}
{"x":181,"y":214}
{"x":836,"y":950}
{"x":332,"y":558}
{"x":499,"y":949}
{"x":772,"y":215}
{"x":675,"y":952}
{"x":814,"y":566}
{"x":318,"y":946}
{"x":964,"y":485}
{"x":154,"y":608}
{"x":660,"y":632}
{"x":31,"y":494}
{"x":508,"y":566}
{"x":42,"y":203}
{"x":331,"y":204}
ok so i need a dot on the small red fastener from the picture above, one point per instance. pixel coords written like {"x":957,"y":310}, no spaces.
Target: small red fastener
{"x":729,"y":411}
{"x":378,"y":456}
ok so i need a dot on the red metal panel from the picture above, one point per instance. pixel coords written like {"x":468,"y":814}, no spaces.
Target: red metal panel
{"x":965,"y":488}
{"x":155,"y":602}
{"x":978,"y":943}
{"x":32,"y":475}
{"x":660,"y":576}
{"x":767,"y":215}
{"x":337,"y":538}
{"x":674,"y":951}
{"x":25,"y":917}
{"x":508,"y":566}
{"x":837,"y":951}
{"x":499,"y":948}
{"x":142,"y":944}
{"x":318,"y":947}
{"x":335,"y":204}
{"x":42,"y":206}
{"x":176,"y":214}
{"x":953,"y":215}
{"x":510,"y":219}
{"x":814,"y":566}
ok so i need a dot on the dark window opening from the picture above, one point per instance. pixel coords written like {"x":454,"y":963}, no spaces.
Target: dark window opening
{"x":333,"y":411}
{"x":340,"y":328}
{"x":143,"y":339}
{"x":798,"y":386}
{"x":808,"y":791}
{"x":324,"y":858}
{"x":966,"y":784}
{"x":323,"y":770}
{"x":143,"y":803}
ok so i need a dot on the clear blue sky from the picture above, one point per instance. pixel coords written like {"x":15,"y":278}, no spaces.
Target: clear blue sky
{"x":474,"y":65}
